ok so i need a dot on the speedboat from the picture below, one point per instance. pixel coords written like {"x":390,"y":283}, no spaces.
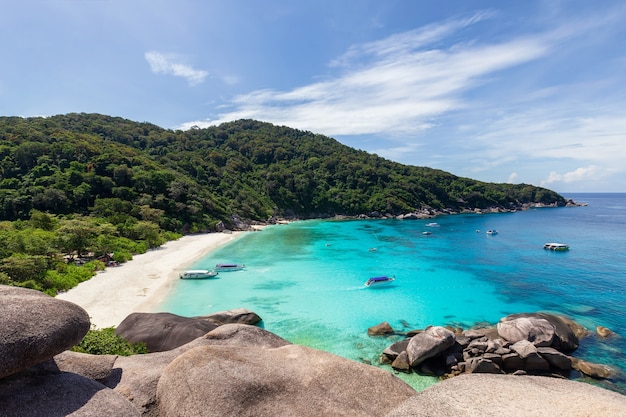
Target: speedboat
{"x":198,"y":274}
{"x":492,"y":232}
{"x":558,"y":247}
{"x":432,"y":224}
{"x":379,"y":281}
{"x":229,"y":267}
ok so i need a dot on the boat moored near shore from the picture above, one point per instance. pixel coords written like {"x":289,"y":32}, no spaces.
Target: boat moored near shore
{"x":229,"y":267}
{"x":198,"y":274}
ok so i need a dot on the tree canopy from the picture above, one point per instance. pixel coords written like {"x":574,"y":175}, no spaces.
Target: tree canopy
{"x":127,"y":172}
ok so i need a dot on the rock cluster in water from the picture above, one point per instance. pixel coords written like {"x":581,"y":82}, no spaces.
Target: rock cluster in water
{"x":236,"y":369}
{"x":529,"y":343}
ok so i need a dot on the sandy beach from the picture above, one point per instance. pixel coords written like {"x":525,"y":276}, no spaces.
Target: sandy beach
{"x":141,"y":284}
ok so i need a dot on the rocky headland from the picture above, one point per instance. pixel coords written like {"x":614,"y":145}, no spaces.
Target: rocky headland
{"x":238,"y":369}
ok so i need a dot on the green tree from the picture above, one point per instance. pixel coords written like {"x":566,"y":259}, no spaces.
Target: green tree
{"x":21,"y":267}
{"x":76,"y":235}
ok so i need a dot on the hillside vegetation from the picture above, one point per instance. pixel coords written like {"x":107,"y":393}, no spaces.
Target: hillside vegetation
{"x":80,"y":184}
{"x":95,"y":164}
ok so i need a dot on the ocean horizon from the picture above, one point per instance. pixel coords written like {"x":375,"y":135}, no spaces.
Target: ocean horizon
{"x":306,"y":278}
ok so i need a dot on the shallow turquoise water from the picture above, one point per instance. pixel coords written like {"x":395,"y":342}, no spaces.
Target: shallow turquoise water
{"x":305,"y":279}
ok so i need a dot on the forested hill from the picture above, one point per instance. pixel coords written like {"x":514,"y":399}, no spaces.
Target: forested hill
{"x":188,"y":180}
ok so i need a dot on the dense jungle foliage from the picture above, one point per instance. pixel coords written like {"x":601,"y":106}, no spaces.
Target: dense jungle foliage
{"x":80,"y":184}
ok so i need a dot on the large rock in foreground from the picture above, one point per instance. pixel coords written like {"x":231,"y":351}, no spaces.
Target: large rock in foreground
{"x":288,"y":381}
{"x":162,"y":331}
{"x":139,"y":374}
{"x":487,"y":395}
{"x":35,"y":327}
{"x":60,"y":394}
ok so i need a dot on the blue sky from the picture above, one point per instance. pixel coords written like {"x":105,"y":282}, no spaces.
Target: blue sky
{"x":500,"y":91}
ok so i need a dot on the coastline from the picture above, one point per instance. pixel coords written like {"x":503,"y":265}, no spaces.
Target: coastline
{"x":141,"y":284}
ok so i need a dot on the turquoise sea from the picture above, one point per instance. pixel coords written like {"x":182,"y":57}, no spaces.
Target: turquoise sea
{"x":305,"y":279}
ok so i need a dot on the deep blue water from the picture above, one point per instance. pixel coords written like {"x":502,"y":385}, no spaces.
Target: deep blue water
{"x":305,"y":279}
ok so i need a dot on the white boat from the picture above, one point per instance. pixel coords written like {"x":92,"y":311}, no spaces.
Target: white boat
{"x":379,"y":281}
{"x":559,"y":247}
{"x":198,"y":274}
{"x":492,"y":232}
{"x":432,"y":224}
{"x":229,"y":267}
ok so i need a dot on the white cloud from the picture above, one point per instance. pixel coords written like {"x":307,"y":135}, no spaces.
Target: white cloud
{"x":435,"y":96}
{"x":582,"y":174}
{"x":395,"y":86}
{"x":169,"y":64}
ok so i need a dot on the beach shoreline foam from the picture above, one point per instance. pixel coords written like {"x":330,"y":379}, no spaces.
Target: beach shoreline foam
{"x":142,"y":283}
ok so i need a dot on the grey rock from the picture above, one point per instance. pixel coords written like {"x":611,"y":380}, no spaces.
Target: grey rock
{"x":462,"y":340}
{"x":162,"y":331}
{"x":481,"y":365}
{"x":96,"y":367}
{"x":381,"y":329}
{"x":493,"y":357}
{"x":536,"y":363}
{"x":502,"y":351}
{"x":289,"y":381}
{"x":244,"y":335}
{"x":512,"y":362}
{"x":401,"y":363}
{"x":137,"y":376}
{"x":480,"y":345}
{"x":35,"y":327}
{"x":429,"y":343}
{"x":393,"y":350}
{"x":556,"y":359}
{"x":524,"y":348}
{"x":604,"y":332}
{"x":566,"y":331}
{"x":451,"y":360}
{"x":489,"y":395}
{"x":594,"y":370}
{"x":495,"y":345}
{"x":61,"y":394}
{"x":487,"y":333}
{"x":237,"y":315}
{"x":536,"y":330}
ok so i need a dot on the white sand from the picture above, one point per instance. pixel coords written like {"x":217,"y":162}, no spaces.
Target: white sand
{"x":141,"y":284}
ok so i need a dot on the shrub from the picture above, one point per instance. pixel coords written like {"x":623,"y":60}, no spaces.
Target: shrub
{"x":106,"y":342}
